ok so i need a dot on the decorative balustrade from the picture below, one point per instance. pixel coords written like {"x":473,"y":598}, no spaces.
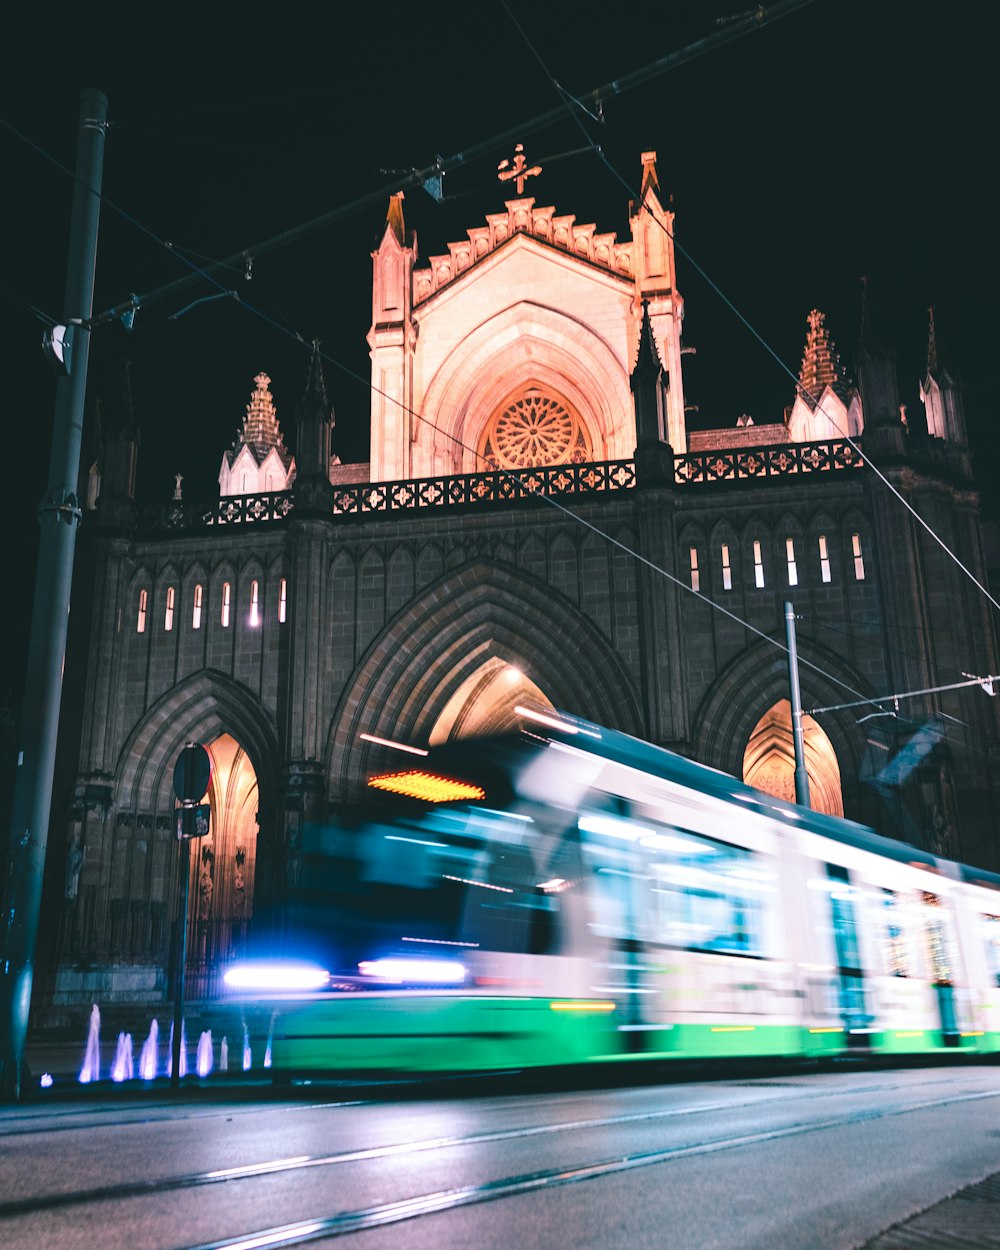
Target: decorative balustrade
{"x":782,"y":460}
{"x":499,"y":486}
{"x":785,"y":460}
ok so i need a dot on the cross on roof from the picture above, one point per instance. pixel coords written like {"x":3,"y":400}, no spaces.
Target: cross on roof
{"x":515,"y":169}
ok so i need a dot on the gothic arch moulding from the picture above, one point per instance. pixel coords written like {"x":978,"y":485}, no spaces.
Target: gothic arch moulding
{"x":470,"y":618}
{"x":755,"y":682}
{"x":199,"y":709}
{"x":525,"y":348}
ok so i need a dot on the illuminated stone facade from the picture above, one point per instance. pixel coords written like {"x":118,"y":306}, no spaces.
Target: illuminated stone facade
{"x":458,"y":576}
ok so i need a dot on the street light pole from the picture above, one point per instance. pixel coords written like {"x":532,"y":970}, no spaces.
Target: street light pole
{"x":798,"y":738}
{"x":59,"y":515}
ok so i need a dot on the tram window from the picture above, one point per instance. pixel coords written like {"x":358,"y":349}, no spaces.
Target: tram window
{"x":897,"y":957}
{"x":845,"y":928}
{"x":710,"y":900}
{"x":939,"y":940}
{"x":991,"y":934}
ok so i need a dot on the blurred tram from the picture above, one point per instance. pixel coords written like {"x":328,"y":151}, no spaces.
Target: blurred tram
{"x":571,"y":895}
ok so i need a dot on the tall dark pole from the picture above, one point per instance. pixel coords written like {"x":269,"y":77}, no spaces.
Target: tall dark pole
{"x":59,"y":515}
{"x":180,"y":963}
{"x":798,"y":738}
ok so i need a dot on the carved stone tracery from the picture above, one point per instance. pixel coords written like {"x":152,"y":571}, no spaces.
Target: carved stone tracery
{"x":533,"y":430}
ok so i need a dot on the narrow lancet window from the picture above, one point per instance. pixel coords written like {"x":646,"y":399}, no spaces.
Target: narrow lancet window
{"x":824,"y":558}
{"x":140,"y":623}
{"x":727,"y":571}
{"x":758,"y":565}
{"x":196,"y":610}
{"x":283,"y":601}
{"x":695,"y":577}
{"x":793,"y":572}
{"x":859,"y":560}
{"x":227,"y":591}
{"x":168,"y":614}
{"x":255,"y":602}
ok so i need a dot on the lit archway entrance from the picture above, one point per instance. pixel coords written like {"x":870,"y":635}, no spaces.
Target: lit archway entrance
{"x":487,"y":702}
{"x":222,"y":867}
{"x":769,"y":760}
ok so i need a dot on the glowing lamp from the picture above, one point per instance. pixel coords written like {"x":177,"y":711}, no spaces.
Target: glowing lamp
{"x":276,"y":976}
{"x":414,"y":971}
{"x":427,"y":786}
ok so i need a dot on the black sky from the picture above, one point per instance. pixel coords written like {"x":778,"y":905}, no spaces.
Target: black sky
{"x":852,"y":137}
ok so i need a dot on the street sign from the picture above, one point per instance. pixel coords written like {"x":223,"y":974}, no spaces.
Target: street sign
{"x":191,"y":773}
{"x":194,"y":821}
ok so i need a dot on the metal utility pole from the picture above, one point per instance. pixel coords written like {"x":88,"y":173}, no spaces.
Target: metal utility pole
{"x":798,"y":739}
{"x":59,"y":516}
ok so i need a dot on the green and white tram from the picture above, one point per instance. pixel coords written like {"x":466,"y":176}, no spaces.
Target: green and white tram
{"x":572,"y":895}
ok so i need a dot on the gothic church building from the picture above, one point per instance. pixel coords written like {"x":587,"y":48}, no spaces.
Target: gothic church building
{"x":536,"y":526}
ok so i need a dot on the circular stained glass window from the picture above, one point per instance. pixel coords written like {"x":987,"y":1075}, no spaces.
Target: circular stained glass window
{"x":535,"y":430}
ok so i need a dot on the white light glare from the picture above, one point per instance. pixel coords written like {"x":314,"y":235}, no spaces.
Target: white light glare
{"x":612,"y":828}
{"x":276,"y":976}
{"x":414,"y":971}
{"x":396,"y":746}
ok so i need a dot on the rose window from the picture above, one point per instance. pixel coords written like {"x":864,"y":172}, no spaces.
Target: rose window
{"x":535,"y":430}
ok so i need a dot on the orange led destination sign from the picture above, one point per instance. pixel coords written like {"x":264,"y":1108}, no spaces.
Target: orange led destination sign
{"x":427,"y":786}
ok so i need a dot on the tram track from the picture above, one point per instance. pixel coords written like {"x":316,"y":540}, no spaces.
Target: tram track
{"x":350,"y":1221}
{"x":346,"y":1222}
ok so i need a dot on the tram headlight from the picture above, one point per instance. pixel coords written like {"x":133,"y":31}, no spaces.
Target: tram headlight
{"x":278,"y":975}
{"x":414,"y":971}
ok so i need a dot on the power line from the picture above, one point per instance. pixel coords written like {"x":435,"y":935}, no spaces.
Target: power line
{"x":749,"y":22}
{"x":714,"y":286}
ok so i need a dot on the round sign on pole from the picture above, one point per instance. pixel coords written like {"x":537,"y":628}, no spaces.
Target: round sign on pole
{"x":191,"y":773}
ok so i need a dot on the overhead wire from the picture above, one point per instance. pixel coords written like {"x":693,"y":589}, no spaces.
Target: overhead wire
{"x":288,"y":329}
{"x":573,"y":105}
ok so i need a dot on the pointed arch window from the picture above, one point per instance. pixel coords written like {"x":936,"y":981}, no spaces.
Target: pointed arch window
{"x":282,"y":601}
{"x":196,"y":609}
{"x":695,"y":575}
{"x":859,"y":560}
{"x":793,"y":571}
{"x":824,"y":558}
{"x":168,"y":612}
{"x":140,"y":620}
{"x":227,"y":595}
{"x":758,"y":565}
{"x":727,"y":569}
{"x":255,"y":602}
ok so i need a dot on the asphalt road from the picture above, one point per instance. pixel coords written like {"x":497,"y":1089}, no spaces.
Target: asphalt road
{"x":806,"y":1161}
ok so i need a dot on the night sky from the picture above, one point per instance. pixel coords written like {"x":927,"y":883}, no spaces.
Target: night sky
{"x":848,"y":139}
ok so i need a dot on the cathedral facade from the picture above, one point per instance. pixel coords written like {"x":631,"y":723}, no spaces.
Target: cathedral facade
{"x":537,"y":526}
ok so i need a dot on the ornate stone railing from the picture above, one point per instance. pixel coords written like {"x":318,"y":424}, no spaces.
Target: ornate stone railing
{"x":786,"y":460}
{"x":782,"y":460}
{"x":479,"y":488}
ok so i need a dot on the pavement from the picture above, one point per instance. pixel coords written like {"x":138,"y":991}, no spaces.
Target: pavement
{"x":968,"y":1220}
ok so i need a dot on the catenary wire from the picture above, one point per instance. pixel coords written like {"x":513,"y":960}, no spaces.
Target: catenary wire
{"x":289,"y":330}
{"x":574,"y":105}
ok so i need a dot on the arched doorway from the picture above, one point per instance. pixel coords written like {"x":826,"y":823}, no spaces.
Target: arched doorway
{"x":487,"y":702}
{"x":769,"y":760}
{"x":223,"y":867}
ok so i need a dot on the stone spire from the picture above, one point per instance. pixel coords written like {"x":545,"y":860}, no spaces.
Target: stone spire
{"x":119,"y":446}
{"x":258,"y":460}
{"x":649,"y":383}
{"x":314,"y":422}
{"x":884,"y":431}
{"x":941,"y":395}
{"x":394,"y":218}
{"x":260,"y":425}
{"x":821,"y":365}
{"x":932,"y":352}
